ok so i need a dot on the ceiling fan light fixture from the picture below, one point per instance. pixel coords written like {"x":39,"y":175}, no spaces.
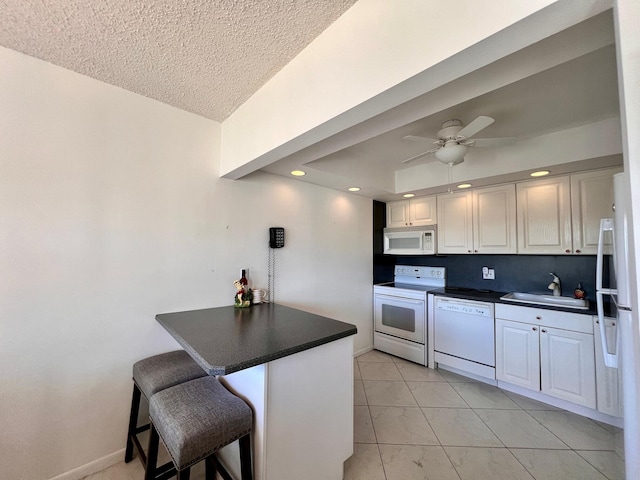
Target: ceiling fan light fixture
{"x":452,"y":153}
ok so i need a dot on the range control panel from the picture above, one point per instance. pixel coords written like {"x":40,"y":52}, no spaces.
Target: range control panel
{"x":420,"y":272}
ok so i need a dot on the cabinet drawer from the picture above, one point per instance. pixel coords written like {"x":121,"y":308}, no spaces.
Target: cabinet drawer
{"x":551,"y":318}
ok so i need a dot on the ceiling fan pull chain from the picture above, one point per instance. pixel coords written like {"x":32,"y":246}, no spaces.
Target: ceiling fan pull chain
{"x":450,"y":177}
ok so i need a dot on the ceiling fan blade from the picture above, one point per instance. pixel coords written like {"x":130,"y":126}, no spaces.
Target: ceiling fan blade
{"x":493,"y":142}
{"x":415,"y":138}
{"x":475,"y":126}
{"x":420,"y":155}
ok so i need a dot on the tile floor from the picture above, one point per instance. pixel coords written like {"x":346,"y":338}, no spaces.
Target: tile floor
{"x":414,"y":423}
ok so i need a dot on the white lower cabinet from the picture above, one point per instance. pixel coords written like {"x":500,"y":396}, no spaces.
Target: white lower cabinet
{"x":518,"y":354}
{"x":567,"y":366}
{"x":548,"y":351}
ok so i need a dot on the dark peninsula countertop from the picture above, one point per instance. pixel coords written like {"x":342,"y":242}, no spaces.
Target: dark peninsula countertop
{"x":224,"y":340}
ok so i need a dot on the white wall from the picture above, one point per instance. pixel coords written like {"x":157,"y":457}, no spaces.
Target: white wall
{"x":111,"y":211}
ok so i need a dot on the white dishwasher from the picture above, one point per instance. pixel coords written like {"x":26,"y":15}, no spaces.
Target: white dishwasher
{"x":464,"y":335}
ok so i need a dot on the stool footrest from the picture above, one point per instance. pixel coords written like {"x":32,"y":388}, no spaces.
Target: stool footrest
{"x":166,"y":471}
{"x":142,"y":428}
{"x":220,"y":468}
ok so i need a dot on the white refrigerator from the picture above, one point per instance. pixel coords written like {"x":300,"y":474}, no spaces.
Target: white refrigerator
{"x":626,"y":354}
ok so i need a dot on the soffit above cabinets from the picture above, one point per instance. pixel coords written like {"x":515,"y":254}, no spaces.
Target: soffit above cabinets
{"x":558,"y":97}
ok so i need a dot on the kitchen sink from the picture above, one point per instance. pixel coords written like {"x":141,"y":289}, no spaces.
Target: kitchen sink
{"x":548,"y":300}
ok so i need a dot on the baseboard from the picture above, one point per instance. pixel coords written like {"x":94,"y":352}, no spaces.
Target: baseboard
{"x":362,"y":351}
{"x":92,"y":467}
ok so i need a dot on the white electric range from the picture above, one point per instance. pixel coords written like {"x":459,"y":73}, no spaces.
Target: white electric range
{"x":400,"y":311}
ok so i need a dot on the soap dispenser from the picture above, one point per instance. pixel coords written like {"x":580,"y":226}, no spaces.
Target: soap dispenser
{"x":555,"y":285}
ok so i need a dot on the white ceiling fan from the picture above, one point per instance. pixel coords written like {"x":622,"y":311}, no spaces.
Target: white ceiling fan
{"x":454,"y":140}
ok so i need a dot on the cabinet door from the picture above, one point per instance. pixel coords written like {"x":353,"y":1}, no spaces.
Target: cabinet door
{"x":567,"y":366}
{"x":398,"y":214}
{"x":607,"y":379}
{"x":494,"y":220}
{"x":455,"y":230}
{"x":517,"y":354}
{"x":422,"y":211}
{"x":591,"y":200}
{"x":544,"y":216}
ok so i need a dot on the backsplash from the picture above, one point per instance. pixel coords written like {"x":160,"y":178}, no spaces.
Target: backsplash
{"x":523,"y":273}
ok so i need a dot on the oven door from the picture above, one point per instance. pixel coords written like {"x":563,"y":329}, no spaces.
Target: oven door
{"x":400,"y":317}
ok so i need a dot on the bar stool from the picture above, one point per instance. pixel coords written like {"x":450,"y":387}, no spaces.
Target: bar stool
{"x":152,"y":375}
{"x":196,"y":419}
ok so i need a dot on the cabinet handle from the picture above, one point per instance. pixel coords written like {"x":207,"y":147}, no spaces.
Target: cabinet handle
{"x":578,"y":251}
{"x":567,"y":251}
{"x":613,"y":324}
{"x":543,"y":330}
{"x":598,"y":322}
{"x":534,"y":329}
{"x":468,"y":251}
{"x":476,"y":251}
{"x":538,"y":318}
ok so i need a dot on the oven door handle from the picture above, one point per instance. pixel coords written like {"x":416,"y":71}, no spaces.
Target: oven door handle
{"x":400,"y":299}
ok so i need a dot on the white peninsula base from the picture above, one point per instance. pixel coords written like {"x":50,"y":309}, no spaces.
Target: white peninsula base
{"x":303,"y":414}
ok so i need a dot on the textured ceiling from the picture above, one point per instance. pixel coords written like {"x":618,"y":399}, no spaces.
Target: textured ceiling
{"x":204,"y":56}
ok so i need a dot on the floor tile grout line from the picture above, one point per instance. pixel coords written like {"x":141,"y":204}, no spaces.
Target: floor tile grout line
{"x":519,"y":408}
{"x":594,"y":466}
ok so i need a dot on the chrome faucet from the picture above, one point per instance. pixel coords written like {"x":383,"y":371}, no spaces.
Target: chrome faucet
{"x":555,"y":285}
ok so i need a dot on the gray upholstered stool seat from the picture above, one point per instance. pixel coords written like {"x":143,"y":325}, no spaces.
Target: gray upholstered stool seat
{"x":150,"y":376}
{"x":196,"y":419}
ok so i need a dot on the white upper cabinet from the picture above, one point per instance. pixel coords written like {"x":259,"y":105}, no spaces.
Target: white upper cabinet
{"x":562,"y":215}
{"x":455,"y":226}
{"x":591,"y":200}
{"x":544,"y":216}
{"x":479,"y":221}
{"x":494,"y":220}
{"x":412,"y":213}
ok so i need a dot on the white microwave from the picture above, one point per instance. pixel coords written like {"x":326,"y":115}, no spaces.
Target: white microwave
{"x":410,"y":240}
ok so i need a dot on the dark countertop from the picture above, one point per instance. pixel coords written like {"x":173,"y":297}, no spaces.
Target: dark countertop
{"x":224,"y":340}
{"x":491,"y":296}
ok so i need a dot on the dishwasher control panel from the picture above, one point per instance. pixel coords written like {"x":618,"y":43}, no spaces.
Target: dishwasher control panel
{"x":468,"y":308}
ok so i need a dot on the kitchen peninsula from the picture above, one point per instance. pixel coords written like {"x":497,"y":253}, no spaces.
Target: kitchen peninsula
{"x":294,"y":368}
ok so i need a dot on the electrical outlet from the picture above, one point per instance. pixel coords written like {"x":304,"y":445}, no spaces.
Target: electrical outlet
{"x":488,"y":273}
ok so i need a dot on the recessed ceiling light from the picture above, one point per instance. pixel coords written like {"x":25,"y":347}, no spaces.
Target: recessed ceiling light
{"x":540,"y":173}
{"x":298,"y":173}
{"x":409,"y":195}
{"x":464,"y":185}
{"x":354,"y":189}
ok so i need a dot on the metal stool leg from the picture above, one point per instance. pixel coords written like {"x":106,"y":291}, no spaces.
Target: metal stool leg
{"x":210,"y":468}
{"x":133,"y":422}
{"x":152,"y":454}
{"x":245,"y":457}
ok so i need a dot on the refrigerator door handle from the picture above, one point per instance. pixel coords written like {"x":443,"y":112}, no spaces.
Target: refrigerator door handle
{"x":610,"y":359}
